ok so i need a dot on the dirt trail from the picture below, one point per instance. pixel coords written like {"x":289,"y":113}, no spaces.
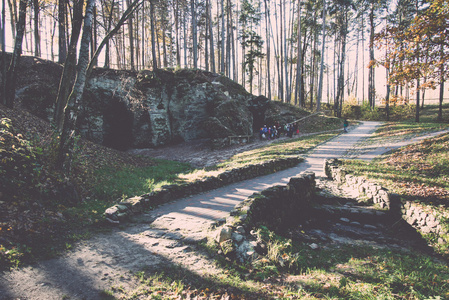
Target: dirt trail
{"x":168,"y":235}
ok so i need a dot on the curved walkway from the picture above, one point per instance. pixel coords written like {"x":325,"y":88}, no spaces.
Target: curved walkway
{"x":193,"y":213}
{"x":165,"y":236}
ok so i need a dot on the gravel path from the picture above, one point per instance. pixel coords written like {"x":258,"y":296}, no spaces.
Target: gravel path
{"x":164,"y":236}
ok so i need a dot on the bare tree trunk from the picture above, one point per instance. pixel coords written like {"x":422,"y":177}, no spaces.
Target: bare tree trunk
{"x":417,"y":101}
{"x":278,"y":54}
{"x":211,"y":33}
{"x":387,"y":97}
{"x":440,"y":107}
{"x":3,"y":32}
{"x":158,"y":47}
{"x":268,"y":38}
{"x":65,"y":153}
{"x":363,"y":60}
{"x":94,"y":36}
{"x":131,"y":38}
{"x":232,"y":57}
{"x":143,"y":36}
{"x":178,"y":48}
{"x":313,"y":61}
{"x":298,"y":92}
{"x":136,"y":40}
{"x":37,"y":39}
{"x":303,"y":65}
{"x":356,"y":65}
{"x":153,"y":36}
{"x":286,"y":81}
{"x":164,"y":47}
{"x":11,"y":74}
{"x":62,"y":40}
{"x":334,"y":75}
{"x":222,"y":64}
{"x":341,"y":72}
{"x":371,"y":80}
{"x":236,"y":45}
{"x":206,"y":38}
{"x":194,"y":35}
{"x":228,"y":39}
{"x":235,"y":74}
{"x":281,"y":53}
{"x":68,"y":72}
{"x":323,"y":47}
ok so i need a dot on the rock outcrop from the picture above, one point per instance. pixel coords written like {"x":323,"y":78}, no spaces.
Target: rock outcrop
{"x":149,"y":109}
{"x":126,"y":109}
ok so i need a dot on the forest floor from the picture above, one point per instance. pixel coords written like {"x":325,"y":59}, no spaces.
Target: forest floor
{"x":109,"y":263}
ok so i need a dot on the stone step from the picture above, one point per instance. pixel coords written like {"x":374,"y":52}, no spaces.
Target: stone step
{"x":348,"y":213}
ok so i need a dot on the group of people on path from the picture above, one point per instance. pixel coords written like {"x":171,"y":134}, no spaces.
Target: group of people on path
{"x":277,"y":130}
{"x":289,"y":129}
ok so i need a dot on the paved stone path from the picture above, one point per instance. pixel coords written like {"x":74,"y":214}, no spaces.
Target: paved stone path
{"x":192,"y":214}
{"x":165,"y":235}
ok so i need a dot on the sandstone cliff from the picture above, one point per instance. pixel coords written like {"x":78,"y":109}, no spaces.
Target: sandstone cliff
{"x":124,"y":109}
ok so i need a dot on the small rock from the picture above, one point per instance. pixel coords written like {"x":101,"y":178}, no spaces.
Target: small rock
{"x":240,"y":229}
{"x":367,"y":226}
{"x":243,"y":217}
{"x":223,"y":234}
{"x":173,"y":245}
{"x":172,"y":236}
{"x":112,"y":221}
{"x":346,"y":220}
{"x":237,"y":237}
{"x":154,"y":233}
{"x":314,"y":246}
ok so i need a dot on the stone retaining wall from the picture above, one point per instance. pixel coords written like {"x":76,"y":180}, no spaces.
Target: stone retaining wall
{"x":426,"y":219}
{"x":277,"y":208}
{"x":361,"y":188}
{"x":167,"y":193}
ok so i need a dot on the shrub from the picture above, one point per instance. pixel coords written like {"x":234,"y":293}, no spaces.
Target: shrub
{"x":369,"y":113}
{"x":19,"y":168}
{"x":351,"y":112}
{"x":350,"y":109}
{"x":401,"y":112}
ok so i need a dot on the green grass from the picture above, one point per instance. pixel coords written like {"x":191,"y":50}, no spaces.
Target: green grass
{"x":430,"y":114}
{"x":423,"y":165}
{"x":343,"y":272}
{"x":128,"y":182}
{"x":292,"y":270}
{"x":177,"y":282}
{"x":407,"y":129}
{"x":284,"y":148}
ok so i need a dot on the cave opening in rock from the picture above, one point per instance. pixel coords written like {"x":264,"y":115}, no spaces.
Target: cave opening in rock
{"x":117,"y":125}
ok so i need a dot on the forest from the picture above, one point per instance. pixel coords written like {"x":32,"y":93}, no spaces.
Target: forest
{"x":307,"y":53}
{"x":303,"y":52}
{"x":316,"y":55}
